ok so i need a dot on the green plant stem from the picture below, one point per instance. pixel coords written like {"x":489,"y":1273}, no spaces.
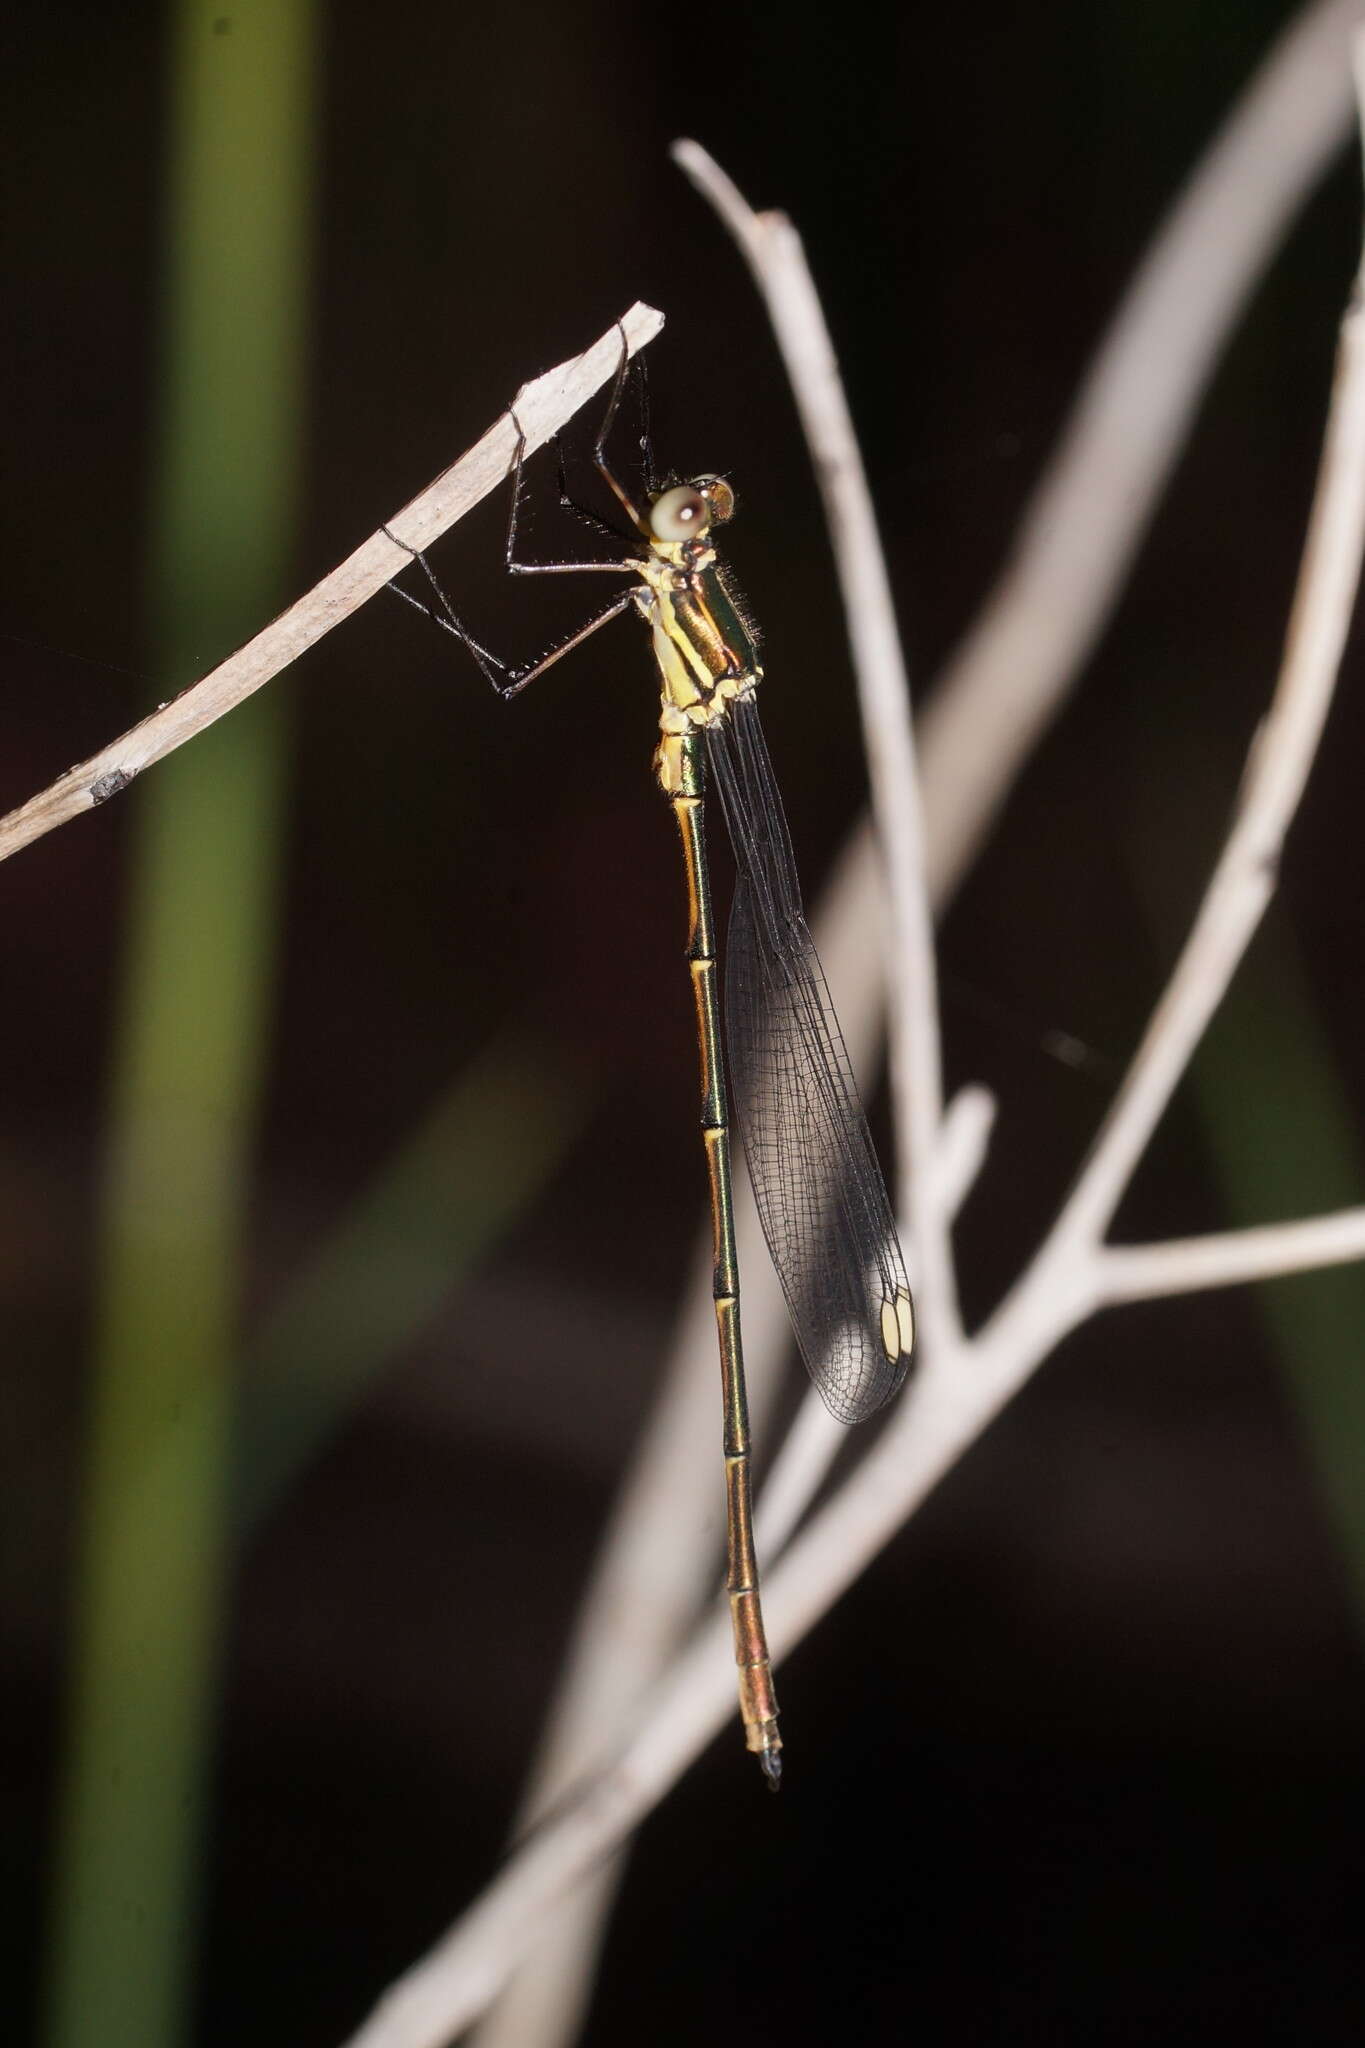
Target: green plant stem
{"x":189,"y":1048}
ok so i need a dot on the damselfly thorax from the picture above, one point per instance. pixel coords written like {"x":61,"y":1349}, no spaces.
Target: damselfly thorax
{"x":705,"y":652}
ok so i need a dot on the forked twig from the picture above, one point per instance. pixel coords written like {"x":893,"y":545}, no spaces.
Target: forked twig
{"x":542,"y":407}
{"x":1076,"y":1272}
{"x":1006,"y":682}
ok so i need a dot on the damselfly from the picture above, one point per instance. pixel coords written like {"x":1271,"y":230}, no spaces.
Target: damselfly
{"x":821,"y":1197}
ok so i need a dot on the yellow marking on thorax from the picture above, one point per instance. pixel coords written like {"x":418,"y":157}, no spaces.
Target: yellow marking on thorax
{"x":691,"y":684}
{"x":693,"y":695}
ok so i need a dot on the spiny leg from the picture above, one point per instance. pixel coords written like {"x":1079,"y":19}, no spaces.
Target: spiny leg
{"x":510,"y":680}
{"x":503,"y":678}
{"x":637,"y":368}
{"x":646,"y":434}
{"x":574,"y":505}
{"x":516,"y":568}
{"x":599,"y":451}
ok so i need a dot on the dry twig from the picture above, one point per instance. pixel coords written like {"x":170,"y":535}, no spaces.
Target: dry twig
{"x":998,"y":693}
{"x":543,"y":406}
{"x":963,"y":1383}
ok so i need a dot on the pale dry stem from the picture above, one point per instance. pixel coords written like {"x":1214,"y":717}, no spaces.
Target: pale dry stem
{"x":542,"y":407}
{"x":949,"y":1405}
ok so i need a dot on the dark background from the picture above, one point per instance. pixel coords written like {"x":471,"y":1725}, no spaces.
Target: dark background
{"x":1079,"y":1760}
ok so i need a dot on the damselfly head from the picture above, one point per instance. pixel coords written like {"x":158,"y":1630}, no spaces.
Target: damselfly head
{"x":680,"y":514}
{"x":688,"y":509}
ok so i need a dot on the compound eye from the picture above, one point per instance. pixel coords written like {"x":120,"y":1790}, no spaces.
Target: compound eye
{"x":679,"y":514}
{"x":719,"y":496}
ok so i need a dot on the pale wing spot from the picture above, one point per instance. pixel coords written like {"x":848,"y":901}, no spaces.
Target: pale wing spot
{"x":891,"y":1330}
{"x":905,"y":1318}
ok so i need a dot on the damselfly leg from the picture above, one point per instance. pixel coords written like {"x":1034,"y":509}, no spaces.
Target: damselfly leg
{"x":639,"y":374}
{"x":506,"y":679}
